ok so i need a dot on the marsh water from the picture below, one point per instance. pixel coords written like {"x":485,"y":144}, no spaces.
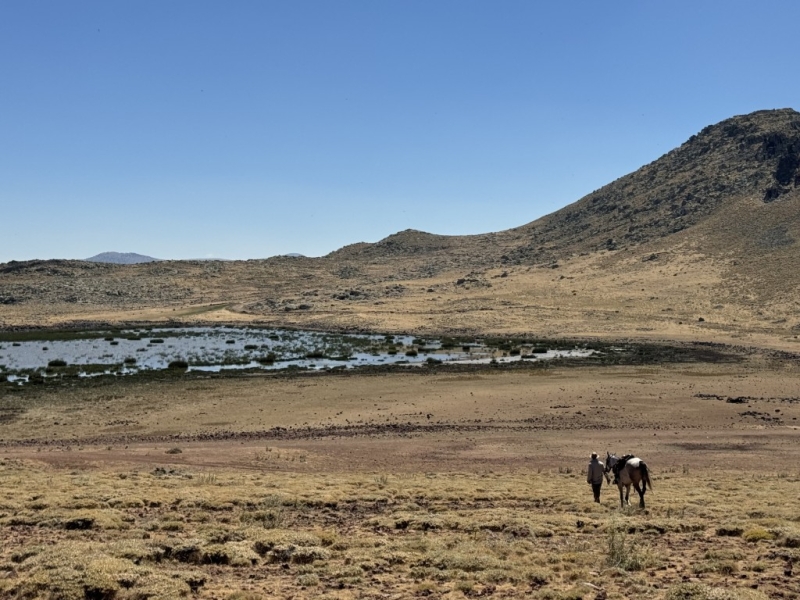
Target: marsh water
{"x":216,"y":348}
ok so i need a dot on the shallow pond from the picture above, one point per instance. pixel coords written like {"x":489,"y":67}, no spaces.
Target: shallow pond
{"x":218,"y":348}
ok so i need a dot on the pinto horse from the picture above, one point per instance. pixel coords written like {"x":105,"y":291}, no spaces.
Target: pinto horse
{"x":629,"y":471}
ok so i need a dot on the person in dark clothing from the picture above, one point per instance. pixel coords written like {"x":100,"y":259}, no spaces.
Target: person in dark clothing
{"x":595,"y":474}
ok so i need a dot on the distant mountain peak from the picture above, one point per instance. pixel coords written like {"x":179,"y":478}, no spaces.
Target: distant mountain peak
{"x":121,"y":258}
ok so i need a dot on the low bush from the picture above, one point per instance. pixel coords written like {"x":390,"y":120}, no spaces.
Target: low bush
{"x":268,"y":359}
{"x":687,"y":591}
{"x":756,"y":534}
{"x":789,"y":538}
{"x":624,"y":552}
{"x":730,"y":530}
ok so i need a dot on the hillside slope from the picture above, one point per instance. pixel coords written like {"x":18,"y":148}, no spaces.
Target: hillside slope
{"x":754,"y":157}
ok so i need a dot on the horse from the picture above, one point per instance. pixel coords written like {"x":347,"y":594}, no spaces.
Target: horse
{"x":629,"y":471}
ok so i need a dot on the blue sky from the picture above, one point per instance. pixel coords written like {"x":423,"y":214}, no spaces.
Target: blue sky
{"x":190,"y":129}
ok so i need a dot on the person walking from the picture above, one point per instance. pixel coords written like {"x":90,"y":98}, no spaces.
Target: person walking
{"x":595,"y":475}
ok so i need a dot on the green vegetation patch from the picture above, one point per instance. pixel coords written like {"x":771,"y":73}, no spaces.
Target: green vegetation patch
{"x":50,"y":335}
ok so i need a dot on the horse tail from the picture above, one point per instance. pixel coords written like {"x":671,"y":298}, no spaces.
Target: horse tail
{"x":645,"y":475}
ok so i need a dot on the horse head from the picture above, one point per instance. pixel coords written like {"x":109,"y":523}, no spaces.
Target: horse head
{"x":611,"y":460}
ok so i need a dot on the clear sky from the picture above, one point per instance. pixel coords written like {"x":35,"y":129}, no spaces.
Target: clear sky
{"x":191,"y":129}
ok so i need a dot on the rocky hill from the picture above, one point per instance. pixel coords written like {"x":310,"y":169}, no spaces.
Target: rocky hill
{"x":754,"y":157}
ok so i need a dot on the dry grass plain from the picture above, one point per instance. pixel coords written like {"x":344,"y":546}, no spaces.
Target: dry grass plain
{"x":427,"y":483}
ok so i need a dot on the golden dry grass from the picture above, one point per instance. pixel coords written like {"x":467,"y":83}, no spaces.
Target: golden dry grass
{"x":122,"y":533}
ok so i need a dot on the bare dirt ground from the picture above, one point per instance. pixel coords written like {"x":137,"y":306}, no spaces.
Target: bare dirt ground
{"x":425,"y":483}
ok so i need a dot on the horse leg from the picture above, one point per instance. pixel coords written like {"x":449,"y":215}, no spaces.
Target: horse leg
{"x":641,"y":493}
{"x":621,"y":502}
{"x":628,"y":494}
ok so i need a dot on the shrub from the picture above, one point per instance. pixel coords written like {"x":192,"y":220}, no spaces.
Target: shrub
{"x":307,"y":555}
{"x":538,"y":578}
{"x":464,"y":586}
{"x":411,"y":352}
{"x":625,"y":553}
{"x":281,"y":540}
{"x":269,"y":519}
{"x":174,"y":451}
{"x":687,"y":591}
{"x":698,"y":591}
{"x":308,"y":580}
{"x":756,"y":534}
{"x":57,"y":363}
{"x":79,"y":523}
{"x":130,"y":361}
{"x":178,"y":364}
{"x":789,"y":538}
{"x":268,"y":359}
{"x":727,"y":567}
{"x":730,"y":530}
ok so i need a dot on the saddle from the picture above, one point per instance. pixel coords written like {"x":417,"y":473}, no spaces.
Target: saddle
{"x":620,"y":464}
